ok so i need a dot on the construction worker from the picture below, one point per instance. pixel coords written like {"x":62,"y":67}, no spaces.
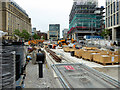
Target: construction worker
{"x":74,"y":45}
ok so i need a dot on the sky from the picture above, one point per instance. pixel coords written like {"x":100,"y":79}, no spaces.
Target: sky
{"x":45,"y":12}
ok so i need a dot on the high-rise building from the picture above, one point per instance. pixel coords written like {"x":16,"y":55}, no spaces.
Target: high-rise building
{"x":112,"y":19}
{"x":34,"y":31}
{"x":85,"y":18}
{"x":54,"y":31}
{"x":64,"y":33}
{"x":13,"y":17}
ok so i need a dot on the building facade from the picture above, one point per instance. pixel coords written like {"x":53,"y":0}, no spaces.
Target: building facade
{"x":54,"y":31}
{"x":64,"y":33}
{"x":53,"y":35}
{"x":42,"y":35}
{"x":112,"y":19}
{"x":34,"y":31}
{"x":85,"y":18}
{"x":13,"y":17}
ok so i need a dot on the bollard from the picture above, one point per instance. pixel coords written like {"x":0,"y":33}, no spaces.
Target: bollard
{"x":40,"y":58}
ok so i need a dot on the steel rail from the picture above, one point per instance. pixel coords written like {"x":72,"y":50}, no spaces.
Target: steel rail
{"x":102,"y":76}
{"x":64,"y":84}
{"x":60,"y":77}
{"x":114,"y":82}
{"x":55,"y":57}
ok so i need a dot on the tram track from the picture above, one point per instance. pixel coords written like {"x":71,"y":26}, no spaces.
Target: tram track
{"x":65,"y":82}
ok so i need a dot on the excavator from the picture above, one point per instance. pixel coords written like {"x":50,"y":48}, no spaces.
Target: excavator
{"x":65,"y":41}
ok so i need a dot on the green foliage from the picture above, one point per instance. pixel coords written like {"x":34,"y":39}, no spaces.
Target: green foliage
{"x":17,"y":32}
{"x":25,"y":35}
{"x":105,"y":33}
{"x":35,"y":36}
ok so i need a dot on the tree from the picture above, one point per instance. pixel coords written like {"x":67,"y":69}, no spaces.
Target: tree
{"x":35,"y":36}
{"x":17,"y":32}
{"x":105,"y":33}
{"x":25,"y":35}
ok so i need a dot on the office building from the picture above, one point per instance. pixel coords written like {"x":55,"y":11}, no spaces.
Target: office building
{"x":64,"y":33}
{"x":13,"y":17}
{"x":34,"y":31}
{"x":112,"y":19}
{"x":85,"y":18}
{"x":54,"y":31}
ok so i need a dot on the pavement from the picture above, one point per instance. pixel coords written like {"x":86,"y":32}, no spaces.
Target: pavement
{"x":33,"y":81}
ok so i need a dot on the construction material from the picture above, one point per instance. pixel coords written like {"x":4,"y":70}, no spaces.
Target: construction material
{"x":8,"y":67}
{"x":54,"y":56}
{"x":69,"y":49}
{"x":94,"y":54}
{"x":79,"y":52}
{"x":88,"y":54}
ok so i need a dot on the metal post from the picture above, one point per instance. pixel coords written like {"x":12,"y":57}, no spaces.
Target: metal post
{"x":40,"y":69}
{"x":40,"y":58}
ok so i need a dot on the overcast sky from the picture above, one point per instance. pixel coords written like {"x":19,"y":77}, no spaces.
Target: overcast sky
{"x":45,"y":12}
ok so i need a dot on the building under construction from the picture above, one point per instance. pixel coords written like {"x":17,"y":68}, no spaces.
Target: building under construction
{"x":85,"y":18}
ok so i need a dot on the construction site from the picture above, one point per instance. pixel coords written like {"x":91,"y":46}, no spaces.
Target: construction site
{"x":41,"y":64}
{"x":86,"y":18}
{"x":82,"y":60}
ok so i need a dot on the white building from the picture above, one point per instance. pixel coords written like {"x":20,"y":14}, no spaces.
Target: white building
{"x":112,"y":18}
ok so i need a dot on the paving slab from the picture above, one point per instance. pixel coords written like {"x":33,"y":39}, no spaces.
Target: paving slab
{"x":33,"y":81}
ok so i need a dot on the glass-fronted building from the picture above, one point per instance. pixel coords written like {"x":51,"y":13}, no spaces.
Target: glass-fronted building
{"x":54,"y":31}
{"x":86,"y":18}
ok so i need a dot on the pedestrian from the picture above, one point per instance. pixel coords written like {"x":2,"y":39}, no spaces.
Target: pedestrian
{"x":114,"y":43}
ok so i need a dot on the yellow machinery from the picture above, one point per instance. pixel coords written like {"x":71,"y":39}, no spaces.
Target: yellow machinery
{"x":65,"y":41}
{"x":35,"y":42}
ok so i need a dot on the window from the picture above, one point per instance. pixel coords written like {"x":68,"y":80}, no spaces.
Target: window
{"x":117,"y":5}
{"x":114,"y":19}
{"x":106,"y":22}
{"x":117,"y":18}
{"x":111,"y":8}
{"x":114,"y":7}
{"x":106,"y":12}
{"x":109,"y":11}
{"x":106,"y":2}
{"x":111,"y":20}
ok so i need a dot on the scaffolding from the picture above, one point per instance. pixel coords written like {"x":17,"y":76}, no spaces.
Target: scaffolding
{"x":85,"y":16}
{"x":86,"y":2}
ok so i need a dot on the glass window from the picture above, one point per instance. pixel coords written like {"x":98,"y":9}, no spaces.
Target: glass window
{"x":111,"y":8}
{"x":114,"y":7}
{"x":117,"y":5}
{"x":106,"y":2}
{"x":114,"y":19}
{"x":106,"y":12}
{"x":106,"y":22}
{"x":111,"y":20}
{"x":117,"y":18}
{"x":109,"y":11}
